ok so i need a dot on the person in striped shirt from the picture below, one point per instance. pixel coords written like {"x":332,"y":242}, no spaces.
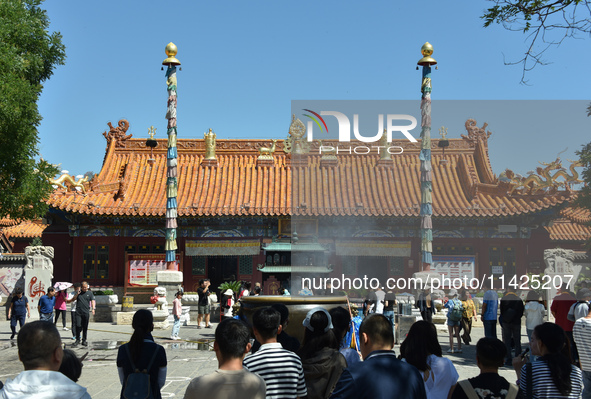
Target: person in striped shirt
{"x":582,"y":335}
{"x":553,"y":375}
{"x":281,"y":369}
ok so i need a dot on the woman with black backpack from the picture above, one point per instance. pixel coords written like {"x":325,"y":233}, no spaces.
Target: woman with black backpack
{"x":141,"y":360}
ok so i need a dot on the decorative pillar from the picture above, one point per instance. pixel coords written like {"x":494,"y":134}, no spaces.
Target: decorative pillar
{"x":425,"y":158}
{"x":171,"y":279}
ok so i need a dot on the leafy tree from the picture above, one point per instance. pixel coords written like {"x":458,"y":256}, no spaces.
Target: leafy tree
{"x":28,"y":56}
{"x":547,"y":23}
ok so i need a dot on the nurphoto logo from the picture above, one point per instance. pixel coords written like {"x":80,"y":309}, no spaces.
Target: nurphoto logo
{"x":392,"y":124}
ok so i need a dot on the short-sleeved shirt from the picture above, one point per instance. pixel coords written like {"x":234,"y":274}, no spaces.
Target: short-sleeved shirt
{"x":543,"y":384}
{"x":203,"y":296}
{"x":442,"y":376}
{"x":486,"y":385}
{"x":71,"y":295}
{"x":582,"y":336}
{"x":147,"y":352}
{"x":281,"y":369}
{"x":222,"y":384}
{"x":391,"y":299}
{"x":469,"y":308}
{"x":83,"y":302}
{"x":560,"y":307}
{"x":491,"y":299}
{"x":46,"y":304}
{"x":60,"y":301}
{"x":19,"y":305}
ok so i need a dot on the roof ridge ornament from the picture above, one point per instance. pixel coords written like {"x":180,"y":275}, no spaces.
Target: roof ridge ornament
{"x":118,"y":133}
{"x":476,"y":133}
{"x":296,"y":142}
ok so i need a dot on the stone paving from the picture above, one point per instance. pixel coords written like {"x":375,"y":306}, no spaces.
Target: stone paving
{"x":187,"y":359}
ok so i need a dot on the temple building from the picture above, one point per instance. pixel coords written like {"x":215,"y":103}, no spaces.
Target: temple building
{"x":264,"y":210}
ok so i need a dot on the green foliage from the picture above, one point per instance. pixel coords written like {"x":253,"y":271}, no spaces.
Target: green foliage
{"x":36,"y":242}
{"x":28,"y":56}
{"x":233,"y":285}
{"x":103,"y":292}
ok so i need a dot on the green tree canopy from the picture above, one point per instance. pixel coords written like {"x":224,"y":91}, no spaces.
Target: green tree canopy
{"x":28,"y":55}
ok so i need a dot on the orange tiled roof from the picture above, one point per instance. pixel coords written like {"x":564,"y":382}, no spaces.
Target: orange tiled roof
{"x":565,"y":230}
{"x":573,"y":225}
{"x":132,"y":182}
{"x":26,"y":229}
{"x":8,"y":222}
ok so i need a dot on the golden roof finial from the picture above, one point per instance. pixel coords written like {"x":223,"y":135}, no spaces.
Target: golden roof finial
{"x":427,"y":51}
{"x":151,"y":132}
{"x":443,"y":132}
{"x":171,"y":51}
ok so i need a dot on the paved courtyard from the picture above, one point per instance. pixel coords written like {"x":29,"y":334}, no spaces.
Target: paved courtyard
{"x":187,"y":359}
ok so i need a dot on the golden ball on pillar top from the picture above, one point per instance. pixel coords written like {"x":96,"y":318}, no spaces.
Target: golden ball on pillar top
{"x":171,"y":51}
{"x":427,"y":51}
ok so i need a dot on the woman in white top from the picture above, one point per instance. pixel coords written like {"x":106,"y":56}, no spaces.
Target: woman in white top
{"x":421,"y":349}
{"x":534,"y":315}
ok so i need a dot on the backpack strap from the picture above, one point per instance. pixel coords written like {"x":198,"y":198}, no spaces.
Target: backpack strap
{"x":513,"y":390}
{"x":152,"y":360}
{"x":468,"y":389}
{"x":130,"y":358}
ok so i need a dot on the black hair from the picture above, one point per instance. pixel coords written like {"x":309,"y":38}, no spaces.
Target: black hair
{"x":71,"y":366}
{"x":266,"y":321}
{"x":50,"y":289}
{"x":77,"y":285}
{"x":378,"y":328}
{"x":558,"y":356}
{"x":315,"y":341}
{"x":257,"y":290}
{"x":420,"y":342}
{"x":201,"y":281}
{"x":18,"y":291}
{"x":491,"y":352}
{"x":232,"y":336}
{"x":36,"y":343}
{"x":247,"y":285}
{"x":341,"y":321}
{"x":283,"y":311}
{"x":179,"y":293}
{"x":142,"y":323}
{"x":532,"y":296}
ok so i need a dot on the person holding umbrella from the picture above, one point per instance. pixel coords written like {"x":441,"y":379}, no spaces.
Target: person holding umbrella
{"x":61,"y":299}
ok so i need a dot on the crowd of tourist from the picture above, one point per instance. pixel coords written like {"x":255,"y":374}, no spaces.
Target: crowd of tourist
{"x":337,"y":358}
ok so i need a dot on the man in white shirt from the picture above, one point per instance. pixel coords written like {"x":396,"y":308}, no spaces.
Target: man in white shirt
{"x":231,"y":380}
{"x":40,"y":351}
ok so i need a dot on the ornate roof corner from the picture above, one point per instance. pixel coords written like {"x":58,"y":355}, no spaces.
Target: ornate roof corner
{"x":476,"y":133}
{"x":118,"y":133}
{"x":542,"y":181}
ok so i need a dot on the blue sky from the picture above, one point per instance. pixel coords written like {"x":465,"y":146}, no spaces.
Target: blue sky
{"x":243,"y":62}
